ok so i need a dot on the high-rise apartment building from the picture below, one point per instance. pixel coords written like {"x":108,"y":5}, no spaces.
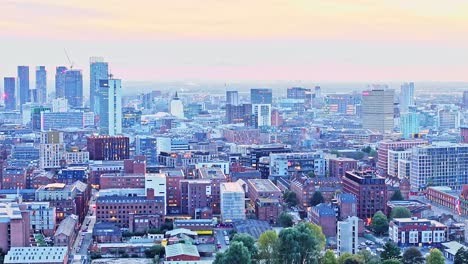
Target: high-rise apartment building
{"x":109,"y":106}
{"x":341,"y":103}
{"x":232,"y":201}
{"x":448,"y":117}
{"x":238,"y":113}
{"x":386,"y":145}
{"x":176,"y":107}
{"x":98,"y":70}
{"x":377,"y":110}
{"x":442,"y":164}
{"x":41,"y":84}
{"x":23,"y":84}
{"x":409,"y":125}
{"x":108,"y":148}
{"x":262,"y":115}
{"x":74,"y":88}
{"x":465,"y":99}
{"x":232,"y":98}
{"x":9,"y":95}
{"x":51,"y":150}
{"x":261,"y":96}
{"x":347,"y":236}
{"x":60,"y":81}
{"x":406,"y":96}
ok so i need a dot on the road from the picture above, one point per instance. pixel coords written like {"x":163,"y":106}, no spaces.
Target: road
{"x":220,"y":238}
{"x":440,"y":209}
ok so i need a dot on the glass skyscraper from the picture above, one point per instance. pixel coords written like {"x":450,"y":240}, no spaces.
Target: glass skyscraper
{"x":406,"y":96}
{"x":60,"y":81}
{"x":23,"y":84}
{"x":98,"y":70}
{"x":9,"y":87}
{"x":261,"y":96}
{"x":409,"y":124}
{"x":41,"y":84}
{"x":110,"y":107}
{"x":74,"y":88}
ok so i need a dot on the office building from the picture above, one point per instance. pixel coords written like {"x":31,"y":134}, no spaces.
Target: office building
{"x":465,"y":100}
{"x":98,"y":70}
{"x":393,"y":163}
{"x":448,"y":117}
{"x":409,"y":125}
{"x":413,"y":231}
{"x":9,"y":93}
{"x":146,"y":146}
{"x":236,"y":114}
{"x":62,"y":120}
{"x":265,"y":197}
{"x":442,"y":164}
{"x":176,"y":107}
{"x":261,"y":96}
{"x":108,"y":148}
{"x":464,"y":134}
{"x":341,"y":103}
{"x":23,"y":85}
{"x":14,"y":226}
{"x":60,"y":81}
{"x":232,"y":98}
{"x":347,"y":236}
{"x":157,"y":182}
{"x":300,"y":93}
{"x":377,"y":110}
{"x":41,"y":84}
{"x":109,"y":107}
{"x":74,"y":88}
{"x":173,"y":192}
{"x":51,"y":150}
{"x":338,"y":166}
{"x":406,"y":97}
{"x":386,"y":145}
{"x":370,"y":191}
{"x":232,"y":202}
{"x":262,"y":115}
{"x":290,"y":164}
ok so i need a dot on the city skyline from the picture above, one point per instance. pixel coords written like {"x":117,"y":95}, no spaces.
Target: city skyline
{"x":260,"y":40}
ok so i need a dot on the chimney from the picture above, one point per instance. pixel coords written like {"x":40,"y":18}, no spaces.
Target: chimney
{"x":150,"y":194}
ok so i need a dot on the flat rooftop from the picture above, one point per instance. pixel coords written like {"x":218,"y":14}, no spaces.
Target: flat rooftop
{"x":211,"y":173}
{"x":263,"y":185}
{"x":231,"y":187}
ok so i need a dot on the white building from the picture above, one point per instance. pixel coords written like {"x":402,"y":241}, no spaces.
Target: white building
{"x":284,"y":164}
{"x":59,"y":105}
{"x":262,"y":114}
{"x":50,"y":255}
{"x":223,"y":165}
{"x":176,"y":107}
{"x":393,"y":157}
{"x":347,"y":235}
{"x":41,"y":216}
{"x":51,"y":150}
{"x":232,"y":201}
{"x":157,"y":182}
{"x":416,"y":232}
{"x":110,"y":107}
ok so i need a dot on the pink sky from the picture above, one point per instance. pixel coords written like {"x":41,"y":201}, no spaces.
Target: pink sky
{"x":329,"y":40}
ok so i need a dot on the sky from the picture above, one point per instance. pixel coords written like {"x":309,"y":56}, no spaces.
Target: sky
{"x":233,"y":40}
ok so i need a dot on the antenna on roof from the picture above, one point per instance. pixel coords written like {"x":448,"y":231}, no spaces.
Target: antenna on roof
{"x":69,"y":60}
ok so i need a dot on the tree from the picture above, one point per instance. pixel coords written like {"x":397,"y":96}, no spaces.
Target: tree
{"x":435,"y":257}
{"x":267,"y":246}
{"x":311,"y":174}
{"x":367,"y":257}
{"x":412,"y":256}
{"x":290,"y":198}
{"x":236,"y":253}
{"x":367,"y":149}
{"x":248,"y":241}
{"x":329,"y":258}
{"x":391,"y":251}
{"x":285,"y":220}
{"x":397,"y":196}
{"x":391,"y":261}
{"x":379,"y":223}
{"x":318,"y":233}
{"x":353,"y":260}
{"x":156,"y":250}
{"x":317,"y":198}
{"x":400,"y":212}
{"x":461,"y":257}
{"x":298,"y":245}
{"x":343,"y":257}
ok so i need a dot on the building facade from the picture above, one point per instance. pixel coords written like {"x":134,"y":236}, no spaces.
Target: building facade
{"x":347,"y":236}
{"x":232,"y":202}
{"x":98,"y":70}
{"x":109,"y":107}
{"x":415,"y":232}
{"x":377,"y":110}
{"x":108,"y":147}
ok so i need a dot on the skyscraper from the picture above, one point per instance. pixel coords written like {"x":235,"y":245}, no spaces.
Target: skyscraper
{"x":109,"y":100}
{"x":406,"y":96}
{"x":232,"y":98}
{"x":60,"y":81}
{"x":262,"y":114}
{"x":176,"y":107}
{"x":23,"y":84}
{"x":377,"y":110}
{"x":261,"y":96}
{"x":465,"y":99}
{"x":74,"y":88}
{"x":41,"y":84}
{"x":98,"y":70}
{"x":409,"y":124}
{"x":9,"y":93}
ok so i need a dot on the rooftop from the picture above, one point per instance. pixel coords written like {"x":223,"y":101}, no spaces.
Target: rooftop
{"x":263,"y":185}
{"x":36,"y":255}
{"x":181,"y":249}
{"x":324,"y":210}
{"x":67,"y":226}
{"x":231,"y":187}
{"x":9,"y":211}
{"x":211,"y":173}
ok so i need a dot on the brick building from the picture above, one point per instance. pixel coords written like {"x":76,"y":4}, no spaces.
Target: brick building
{"x":339,"y":166}
{"x":265,"y":197}
{"x":173,"y":193}
{"x":216,"y":176}
{"x":97,"y":168}
{"x":415,"y":232}
{"x":14,"y":226}
{"x":13,"y":178}
{"x":370,"y":191}
{"x":108,"y":147}
{"x":346,"y":203}
{"x":325,"y":216}
{"x":120,"y":180}
{"x":385,"y":146}
{"x":305,"y":187}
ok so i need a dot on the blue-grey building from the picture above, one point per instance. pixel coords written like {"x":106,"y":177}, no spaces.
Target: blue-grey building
{"x":74,"y":88}
{"x":261,"y":96}
{"x":110,"y":107}
{"x":25,"y":151}
{"x":146,"y":146}
{"x":98,"y":70}
{"x":9,"y":88}
{"x":60,"y":81}
{"x":41,"y":84}
{"x":23,"y":84}
{"x":73,"y":174}
{"x":409,"y":124}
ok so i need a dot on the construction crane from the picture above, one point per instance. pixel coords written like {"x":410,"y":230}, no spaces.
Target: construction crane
{"x":69,"y":60}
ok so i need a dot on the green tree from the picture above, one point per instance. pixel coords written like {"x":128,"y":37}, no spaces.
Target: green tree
{"x":461,"y":257}
{"x":298,"y":245}
{"x":343,"y":257}
{"x":318,"y":233}
{"x":329,"y":258}
{"x":435,"y":257}
{"x":367,"y":149}
{"x":236,"y":253}
{"x":400,"y":212}
{"x":267,"y":246}
{"x":397,"y":196}
{"x":391,"y":261}
{"x":412,"y":256}
{"x":391,"y":251}
{"x":379,"y":223}
{"x":367,"y":257}
{"x":156,"y":250}
{"x":354,"y":260}
{"x":317,"y":198}
{"x":311,"y":174}
{"x":248,"y":241}
{"x":290,"y":198}
{"x":285,"y":220}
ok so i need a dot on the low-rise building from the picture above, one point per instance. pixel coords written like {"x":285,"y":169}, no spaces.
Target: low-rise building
{"x":339,"y":166}
{"x":104,"y":232}
{"x":66,"y":232}
{"x":14,"y":225}
{"x":416,"y":232}
{"x":347,"y":235}
{"x":232,"y":202}
{"x":32,"y":255}
{"x":325,"y":216}
{"x":42,"y":217}
{"x":445,"y":196}
{"x":182,"y":252}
